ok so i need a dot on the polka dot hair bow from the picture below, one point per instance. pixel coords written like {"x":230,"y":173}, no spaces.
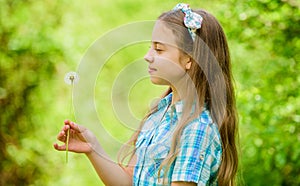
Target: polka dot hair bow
{"x":191,"y":20}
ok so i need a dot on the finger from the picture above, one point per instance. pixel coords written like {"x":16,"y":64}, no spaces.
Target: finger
{"x":75,"y":127}
{"x":72,"y":125}
{"x":65,"y":128}
{"x":73,"y":133}
{"x":67,"y":121}
{"x":59,"y":147}
{"x":61,"y":136}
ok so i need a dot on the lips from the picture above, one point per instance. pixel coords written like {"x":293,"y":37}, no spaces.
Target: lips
{"x":151,"y":70}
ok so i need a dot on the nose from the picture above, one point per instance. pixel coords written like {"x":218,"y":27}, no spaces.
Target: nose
{"x":149,"y":56}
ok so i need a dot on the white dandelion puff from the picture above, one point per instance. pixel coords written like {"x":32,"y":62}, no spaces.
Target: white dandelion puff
{"x":71,"y":78}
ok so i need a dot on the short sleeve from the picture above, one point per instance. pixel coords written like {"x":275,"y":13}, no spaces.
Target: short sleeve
{"x":200,"y":153}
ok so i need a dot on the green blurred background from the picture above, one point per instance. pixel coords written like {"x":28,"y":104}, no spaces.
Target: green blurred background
{"x":40,"y":41}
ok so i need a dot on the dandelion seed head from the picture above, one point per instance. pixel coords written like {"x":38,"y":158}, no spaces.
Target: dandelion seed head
{"x":71,"y":78}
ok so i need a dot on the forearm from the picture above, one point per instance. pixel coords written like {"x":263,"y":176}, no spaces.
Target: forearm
{"x":109,"y":171}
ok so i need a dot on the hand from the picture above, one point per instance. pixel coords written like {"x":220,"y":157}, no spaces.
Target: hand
{"x":81,"y":140}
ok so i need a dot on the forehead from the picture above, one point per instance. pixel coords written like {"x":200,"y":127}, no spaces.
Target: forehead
{"x":162,"y":34}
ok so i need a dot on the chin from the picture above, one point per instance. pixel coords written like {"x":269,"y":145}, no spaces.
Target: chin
{"x":158,"y":81}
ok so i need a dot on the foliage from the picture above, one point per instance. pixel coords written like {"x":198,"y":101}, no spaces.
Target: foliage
{"x":40,"y":41}
{"x":266,"y":59}
{"x":28,"y":56}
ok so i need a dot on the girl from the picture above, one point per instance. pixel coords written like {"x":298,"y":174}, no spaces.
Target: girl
{"x":188,"y":137}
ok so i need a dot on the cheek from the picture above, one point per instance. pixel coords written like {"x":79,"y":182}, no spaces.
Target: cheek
{"x":169,"y":70}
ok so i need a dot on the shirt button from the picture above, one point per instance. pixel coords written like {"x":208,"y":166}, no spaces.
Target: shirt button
{"x":201,"y":157}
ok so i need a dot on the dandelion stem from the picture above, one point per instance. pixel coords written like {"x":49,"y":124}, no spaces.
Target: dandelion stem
{"x":71,"y":78}
{"x":67,"y":144}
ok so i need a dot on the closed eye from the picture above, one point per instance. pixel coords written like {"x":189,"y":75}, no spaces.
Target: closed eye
{"x":158,"y":47}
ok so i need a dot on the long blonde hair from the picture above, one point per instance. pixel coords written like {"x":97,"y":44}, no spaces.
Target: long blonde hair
{"x":212,"y":81}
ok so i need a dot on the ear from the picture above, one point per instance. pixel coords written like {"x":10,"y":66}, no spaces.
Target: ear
{"x":186,"y":61}
{"x":188,"y":65}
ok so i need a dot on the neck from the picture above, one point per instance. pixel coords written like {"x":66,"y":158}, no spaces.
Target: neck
{"x":178,"y":92}
{"x":180,"y":88}
{"x":175,"y":96}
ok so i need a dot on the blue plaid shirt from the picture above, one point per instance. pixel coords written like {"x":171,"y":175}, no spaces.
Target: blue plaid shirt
{"x":200,"y":150}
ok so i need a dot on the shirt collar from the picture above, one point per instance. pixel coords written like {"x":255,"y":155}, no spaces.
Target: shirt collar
{"x":165,"y":101}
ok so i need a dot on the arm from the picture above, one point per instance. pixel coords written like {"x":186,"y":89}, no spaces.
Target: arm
{"x":181,"y":183}
{"x":109,"y":172}
{"x":83,"y":141}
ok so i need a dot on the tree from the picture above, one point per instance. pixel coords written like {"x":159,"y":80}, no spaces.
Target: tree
{"x":265,"y":47}
{"x":28,"y":55}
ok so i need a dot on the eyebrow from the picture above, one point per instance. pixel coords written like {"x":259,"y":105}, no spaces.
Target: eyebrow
{"x":157,"y":42}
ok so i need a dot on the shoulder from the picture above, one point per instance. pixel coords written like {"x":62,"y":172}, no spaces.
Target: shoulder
{"x":203,"y":130}
{"x":200,"y":151}
{"x":203,"y":123}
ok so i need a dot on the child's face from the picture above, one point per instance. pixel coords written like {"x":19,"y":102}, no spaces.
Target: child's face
{"x":167,"y":64}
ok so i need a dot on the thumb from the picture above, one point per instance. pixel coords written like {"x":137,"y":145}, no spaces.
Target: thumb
{"x":59,"y":147}
{"x":76,"y":127}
